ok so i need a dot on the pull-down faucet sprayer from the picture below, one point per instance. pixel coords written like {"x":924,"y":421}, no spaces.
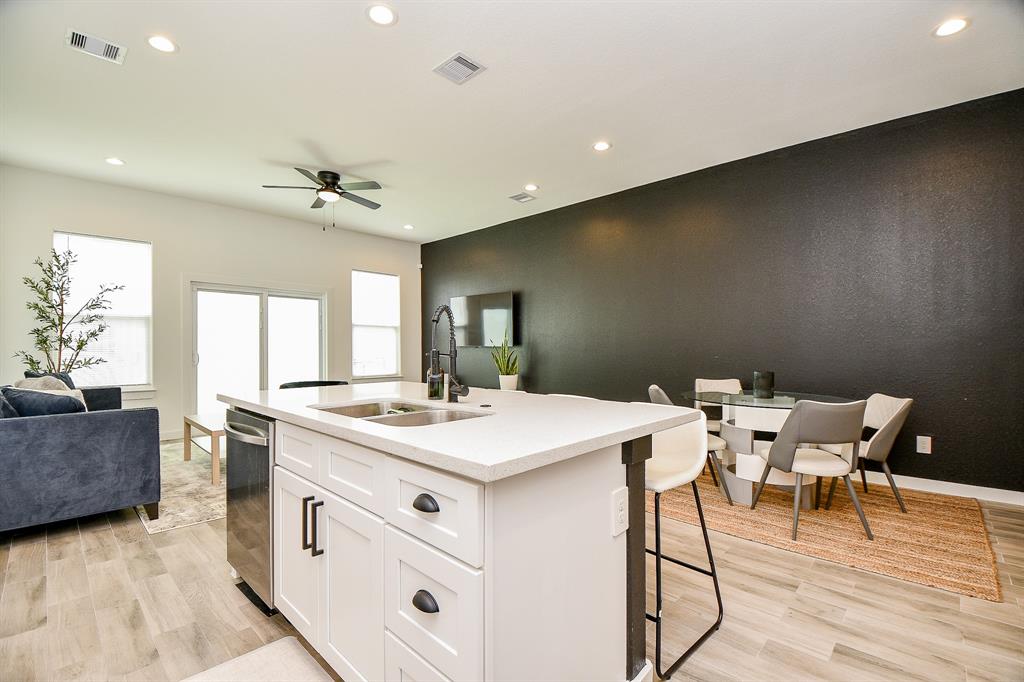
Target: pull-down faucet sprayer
{"x":455,"y":389}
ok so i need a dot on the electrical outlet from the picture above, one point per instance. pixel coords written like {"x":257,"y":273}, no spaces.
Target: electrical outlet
{"x":620,"y":511}
{"x":924,"y":445}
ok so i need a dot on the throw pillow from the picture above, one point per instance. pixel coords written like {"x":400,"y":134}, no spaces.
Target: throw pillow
{"x":43,"y":383}
{"x":6,"y":409}
{"x":63,"y":376}
{"x":29,"y":403}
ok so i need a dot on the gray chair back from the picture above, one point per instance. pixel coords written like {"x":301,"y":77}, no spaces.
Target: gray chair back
{"x":658,"y":396}
{"x":814,"y":422}
{"x":887,"y":414}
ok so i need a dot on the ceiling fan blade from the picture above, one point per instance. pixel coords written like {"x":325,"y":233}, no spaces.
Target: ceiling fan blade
{"x":311,"y":176}
{"x":360,"y":200}
{"x":369,"y":184}
{"x":318,"y":203}
{"x":287,"y":187}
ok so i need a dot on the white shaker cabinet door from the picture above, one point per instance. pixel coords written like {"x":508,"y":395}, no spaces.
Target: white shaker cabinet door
{"x":352,"y":589}
{"x":296,"y":570}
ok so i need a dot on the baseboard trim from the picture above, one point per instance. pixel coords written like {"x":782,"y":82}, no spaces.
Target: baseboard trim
{"x":949,"y":488}
{"x":172,"y":435}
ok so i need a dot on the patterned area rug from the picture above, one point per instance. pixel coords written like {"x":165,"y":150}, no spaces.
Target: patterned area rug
{"x":186,"y":495}
{"x":941,"y":541}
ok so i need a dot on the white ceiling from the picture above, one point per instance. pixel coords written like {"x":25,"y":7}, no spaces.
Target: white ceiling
{"x":259,"y":87}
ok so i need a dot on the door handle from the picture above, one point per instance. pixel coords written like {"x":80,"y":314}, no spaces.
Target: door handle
{"x":313,"y":507}
{"x":425,"y":602}
{"x":305,"y":522}
{"x":426,"y":504}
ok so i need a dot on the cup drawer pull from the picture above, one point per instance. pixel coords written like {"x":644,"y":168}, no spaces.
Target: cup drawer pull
{"x":425,"y":602}
{"x":426,"y":504}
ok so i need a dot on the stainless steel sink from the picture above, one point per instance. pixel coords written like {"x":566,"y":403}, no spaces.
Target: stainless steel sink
{"x":424,"y":418}
{"x":365,"y":410}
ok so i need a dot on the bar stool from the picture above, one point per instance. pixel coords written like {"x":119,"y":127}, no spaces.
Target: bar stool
{"x":715,"y":445}
{"x":678,"y":456}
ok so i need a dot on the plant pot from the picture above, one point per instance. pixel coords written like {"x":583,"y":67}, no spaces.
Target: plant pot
{"x":508,"y":382}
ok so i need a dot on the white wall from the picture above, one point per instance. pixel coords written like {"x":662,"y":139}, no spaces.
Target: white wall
{"x":192,"y":240}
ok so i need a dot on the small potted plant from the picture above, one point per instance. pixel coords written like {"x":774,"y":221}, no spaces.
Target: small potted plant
{"x":507,"y":363}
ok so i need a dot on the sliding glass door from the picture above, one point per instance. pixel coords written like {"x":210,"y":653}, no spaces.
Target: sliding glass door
{"x":248,"y":339}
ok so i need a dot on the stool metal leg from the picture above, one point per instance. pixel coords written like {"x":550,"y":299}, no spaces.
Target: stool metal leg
{"x":831,"y":492}
{"x":658,"y":556}
{"x":717,"y":466}
{"x":713,"y":468}
{"x":760,"y":485}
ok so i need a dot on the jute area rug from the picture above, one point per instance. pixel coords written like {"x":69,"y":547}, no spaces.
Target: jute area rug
{"x":941,"y":541}
{"x":186,"y":495}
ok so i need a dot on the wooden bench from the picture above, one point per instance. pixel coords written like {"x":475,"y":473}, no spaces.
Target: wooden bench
{"x":213,"y":426}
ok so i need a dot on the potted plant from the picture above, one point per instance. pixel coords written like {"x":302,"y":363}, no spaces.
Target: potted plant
{"x":63,"y":332}
{"x":507,"y":363}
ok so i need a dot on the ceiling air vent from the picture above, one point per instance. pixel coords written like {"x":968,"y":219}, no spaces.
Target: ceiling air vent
{"x":97,"y":47}
{"x":522,"y":197}
{"x":459,"y":68}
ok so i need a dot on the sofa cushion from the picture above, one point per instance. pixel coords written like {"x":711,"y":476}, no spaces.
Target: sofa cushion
{"x":6,"y":409}
{"x":43,"y":383}
{"x":63,"y":376}
{"x":30,"y":403}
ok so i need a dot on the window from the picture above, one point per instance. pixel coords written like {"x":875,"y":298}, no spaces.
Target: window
{"x":375,"y":324}
{"x":126,"y":345}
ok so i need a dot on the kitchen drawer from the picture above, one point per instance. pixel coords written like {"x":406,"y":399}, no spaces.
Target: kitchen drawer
{"x":402,"y":664}
{"x":456,"y":526}
{"x":354,"y":472}
{"x":297,"y":449}
{"x":415,"y":574}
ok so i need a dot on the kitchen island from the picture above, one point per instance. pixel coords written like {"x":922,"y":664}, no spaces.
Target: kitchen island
{"x":497,"y":538}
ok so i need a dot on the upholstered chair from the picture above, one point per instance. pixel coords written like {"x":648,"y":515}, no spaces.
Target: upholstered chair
{"x":883,"y":419}
{"x":826,"y":424}
{"x":722,"y":386}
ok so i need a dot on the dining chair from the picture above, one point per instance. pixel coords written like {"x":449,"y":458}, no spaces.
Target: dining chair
{"x":821,"y":423}
{"x":677,"y":458}
{"x":732,"y":386}
{"x":883,"y":419}
{"x":312,"y":384}
{"x":715,"y":445}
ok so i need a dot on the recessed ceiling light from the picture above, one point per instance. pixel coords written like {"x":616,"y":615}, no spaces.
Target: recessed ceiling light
{"x":950,"y":26}
{"x":163,"y":44}
{"x":407,"y":227}
{"x":382,"y":15}
{"x":530,"y":187}
{"x":114,"y":161}
{"x":602,"y":146}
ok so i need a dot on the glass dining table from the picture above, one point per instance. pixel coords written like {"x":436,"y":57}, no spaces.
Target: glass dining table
{"x":747,"y":424}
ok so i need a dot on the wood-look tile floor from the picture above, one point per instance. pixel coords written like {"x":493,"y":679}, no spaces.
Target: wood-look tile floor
{"x":794,"y":617}
{"x":100,"y":599}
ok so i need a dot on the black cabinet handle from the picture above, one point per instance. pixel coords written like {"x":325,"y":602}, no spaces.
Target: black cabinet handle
{"x":305,"y":522}
{"x":313,"y":507}
{"x":425,"y":602}
{"x":426,"y":504}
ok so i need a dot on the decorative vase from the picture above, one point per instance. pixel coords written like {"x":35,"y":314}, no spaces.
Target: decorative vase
{"x":764,"y":384}
{"x":508,"y":382}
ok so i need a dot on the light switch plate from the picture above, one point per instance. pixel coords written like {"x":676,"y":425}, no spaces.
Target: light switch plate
{"x":924,"y":445}
{"x":620,"y":511}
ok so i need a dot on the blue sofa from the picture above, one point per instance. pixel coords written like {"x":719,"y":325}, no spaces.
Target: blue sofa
{"x":65,"y":466}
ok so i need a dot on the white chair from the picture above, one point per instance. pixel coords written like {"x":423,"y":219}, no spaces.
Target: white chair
{"x":731,"y":386}
{"x":678,"y":456}
{"x":814,"y":422}
{"x":715,"y":444}
{"x":883,"y":418}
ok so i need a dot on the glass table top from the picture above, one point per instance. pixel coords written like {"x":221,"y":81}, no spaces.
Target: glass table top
{"x":783,"y":400}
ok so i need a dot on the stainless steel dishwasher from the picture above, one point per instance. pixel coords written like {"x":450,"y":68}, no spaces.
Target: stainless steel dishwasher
{"x":250,"y":464}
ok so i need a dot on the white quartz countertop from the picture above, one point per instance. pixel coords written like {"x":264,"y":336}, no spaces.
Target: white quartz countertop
{"x":520,"y":432}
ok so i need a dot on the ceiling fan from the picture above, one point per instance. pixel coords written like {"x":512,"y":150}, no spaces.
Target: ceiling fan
{"x":329,"y":188}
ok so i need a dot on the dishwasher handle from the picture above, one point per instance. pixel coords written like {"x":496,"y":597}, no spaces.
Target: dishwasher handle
{"x":246,"y":434}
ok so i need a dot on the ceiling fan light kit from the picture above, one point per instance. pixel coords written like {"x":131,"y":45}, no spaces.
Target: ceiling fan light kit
{"x":329,"y":188}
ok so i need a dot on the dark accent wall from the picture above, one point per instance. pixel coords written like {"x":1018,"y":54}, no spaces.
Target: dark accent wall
{"x":887,"y":259}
